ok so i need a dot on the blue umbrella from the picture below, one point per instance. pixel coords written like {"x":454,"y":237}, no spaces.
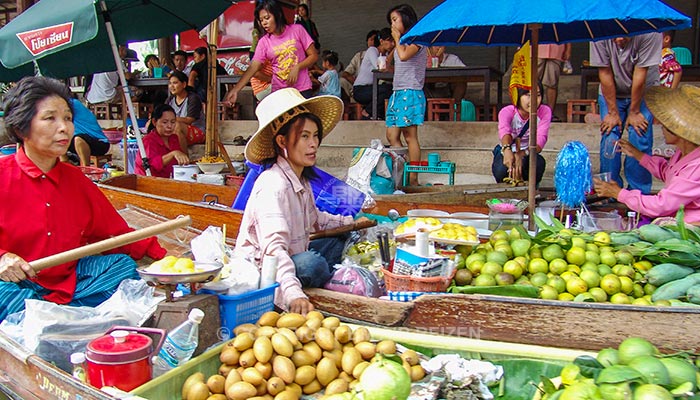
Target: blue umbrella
{"x":514,"y":22}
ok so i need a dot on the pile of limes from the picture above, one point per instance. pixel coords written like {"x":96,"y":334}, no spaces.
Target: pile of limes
{"x":589,"y":270}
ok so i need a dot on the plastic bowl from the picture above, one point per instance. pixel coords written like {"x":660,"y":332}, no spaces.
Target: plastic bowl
{"x":113,"y":136}
{"x":507,"y":206}
{"x":211,"y":168}
{"x":600,"y":221}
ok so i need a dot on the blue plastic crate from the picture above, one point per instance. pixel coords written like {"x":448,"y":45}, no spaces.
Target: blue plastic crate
{"x":245,"y":308}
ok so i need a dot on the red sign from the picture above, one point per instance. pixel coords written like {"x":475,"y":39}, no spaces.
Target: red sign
{"x":44,"y":39}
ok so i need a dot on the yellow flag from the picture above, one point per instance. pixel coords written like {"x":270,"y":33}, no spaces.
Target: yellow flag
{"x":520,"y":72}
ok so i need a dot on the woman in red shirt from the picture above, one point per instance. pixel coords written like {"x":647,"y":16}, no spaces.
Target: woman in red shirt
{"x":162,"y":144}
{"x":50,"y":207}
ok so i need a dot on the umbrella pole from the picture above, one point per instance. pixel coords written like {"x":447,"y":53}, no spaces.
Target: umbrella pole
{"x":532,"y":147}
{"x":211,"y":131}
{"x":125,"y":88}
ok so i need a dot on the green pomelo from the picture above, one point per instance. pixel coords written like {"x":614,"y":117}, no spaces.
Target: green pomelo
{"x":652,"y":369}
{"x":634,"y":347}
{"x":608,"y":357}
{"x":651,"y":392}
{"x":680,"y":371}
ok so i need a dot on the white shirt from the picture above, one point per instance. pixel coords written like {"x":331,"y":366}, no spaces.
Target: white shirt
{"x":103,"y":87}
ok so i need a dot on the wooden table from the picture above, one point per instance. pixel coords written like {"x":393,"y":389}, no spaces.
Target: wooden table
{"x":151,"y":82}
{"x":691,"y":73}
{"x":451,"y":74}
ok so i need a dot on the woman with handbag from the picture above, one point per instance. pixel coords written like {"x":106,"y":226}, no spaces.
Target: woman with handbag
{"x":511,"y":156}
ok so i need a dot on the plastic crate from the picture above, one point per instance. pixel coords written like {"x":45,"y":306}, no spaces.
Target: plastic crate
{"x":407,"y":283}
{"x":444,"y":167}
{"x":245,"y":308}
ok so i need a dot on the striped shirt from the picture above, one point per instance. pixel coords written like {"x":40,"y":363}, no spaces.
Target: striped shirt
{"x":410,"y":74}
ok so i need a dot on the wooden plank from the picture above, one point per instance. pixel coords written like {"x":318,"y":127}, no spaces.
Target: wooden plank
{"x":33,"y":378}
{"x":187,"y":191}
{"x":202,"y":215}
{"x":360,"y":308}
{"x":586,"y":326}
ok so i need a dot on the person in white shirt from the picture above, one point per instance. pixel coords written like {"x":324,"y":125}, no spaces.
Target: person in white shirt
{"x":349,"y":74}
{"x":455,"y":90}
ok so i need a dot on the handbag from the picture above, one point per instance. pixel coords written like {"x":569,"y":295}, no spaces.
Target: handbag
{"x":497,"y":150}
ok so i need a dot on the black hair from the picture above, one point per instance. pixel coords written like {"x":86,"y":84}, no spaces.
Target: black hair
{"x":373,"y":34}
{"x":181,"y":76}
{"x":331,"y":57}
{"x":521,"y":92}
{"x":149,"y":57}
{"x":202,"y":51}
{"x":157,"y":114}
{"x":671,"y":34}
{"x":385,"y":34}
{"x":305,"y":7}
{"x":407,"y":13}
{"x":180,"y":53}
{"x":274,"y":8}
{"x":20,"y":103}
{"x":296,"y":125}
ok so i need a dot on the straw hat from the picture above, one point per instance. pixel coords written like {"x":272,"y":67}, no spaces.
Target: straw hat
{"x":278,"y":108}
{"x":677,"y":109}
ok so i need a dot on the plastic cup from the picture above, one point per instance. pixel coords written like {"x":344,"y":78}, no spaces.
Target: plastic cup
{"x":603,"y":176}
{"x":610,"y":146}
{"x":157,"y":72}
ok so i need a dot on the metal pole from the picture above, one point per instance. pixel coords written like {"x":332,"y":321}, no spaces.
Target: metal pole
{"x":532,"y":147}
{"x":125,"y":88}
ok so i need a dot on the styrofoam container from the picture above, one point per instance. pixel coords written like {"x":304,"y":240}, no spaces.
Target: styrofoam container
{"x":427,"y":213}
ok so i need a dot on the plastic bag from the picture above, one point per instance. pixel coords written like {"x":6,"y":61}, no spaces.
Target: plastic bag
{"x":209,"y":245}
{"x":55,"y":331}
{"x":244,"y":276}
{"x":355,"y":280}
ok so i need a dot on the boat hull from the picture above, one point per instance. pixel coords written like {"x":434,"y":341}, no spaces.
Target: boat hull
{"x":583,"y":326}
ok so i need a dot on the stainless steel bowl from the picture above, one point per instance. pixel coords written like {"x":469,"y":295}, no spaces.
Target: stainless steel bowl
{"x":208,"y":273}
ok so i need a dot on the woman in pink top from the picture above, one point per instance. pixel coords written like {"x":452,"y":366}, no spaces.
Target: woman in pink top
{"x":289,"y":48}
{"x":511,"y":158}
{"x":678,"y":110}
{"x":281,"y":212}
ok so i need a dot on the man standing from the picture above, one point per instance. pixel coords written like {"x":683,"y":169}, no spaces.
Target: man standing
{"x":626,"y":67}
{"x":550,"y":58}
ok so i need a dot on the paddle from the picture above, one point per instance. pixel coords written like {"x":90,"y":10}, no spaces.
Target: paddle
{"x":111,"y":243}
{"x":343,"y":229}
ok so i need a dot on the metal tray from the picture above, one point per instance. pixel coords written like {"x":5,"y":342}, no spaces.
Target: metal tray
{"x":210,"y":271}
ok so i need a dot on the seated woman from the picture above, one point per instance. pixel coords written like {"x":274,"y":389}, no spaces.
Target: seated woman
{"x":678,"y":110}
{"x":511,"y":159}
{"x":162,"y":145}
{"x":188,"y":111}
{"x":280,"y":213}
{"x":362,"y":88}
{"x":50,"y":207}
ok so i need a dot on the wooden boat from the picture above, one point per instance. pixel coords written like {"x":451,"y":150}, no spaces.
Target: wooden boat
{"x":582,"y":326}
{"x":210,"y":204}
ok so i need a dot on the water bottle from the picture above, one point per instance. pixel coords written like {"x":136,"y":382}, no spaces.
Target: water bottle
{"x":78,"y":361}
{"x":268,"y":273}
{"x":179,"y":344}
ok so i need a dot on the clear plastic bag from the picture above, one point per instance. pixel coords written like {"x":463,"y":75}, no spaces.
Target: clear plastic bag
{"x":55,"y":331}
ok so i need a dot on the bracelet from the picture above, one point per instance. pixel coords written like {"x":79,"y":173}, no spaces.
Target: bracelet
{"x":503,"y":148}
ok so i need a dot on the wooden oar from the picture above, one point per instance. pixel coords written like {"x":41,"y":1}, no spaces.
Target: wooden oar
{"x":111,"y":243}
{"x":343,"y":229}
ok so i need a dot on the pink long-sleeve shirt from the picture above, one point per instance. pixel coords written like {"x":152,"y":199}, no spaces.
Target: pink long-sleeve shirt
{"x":278,"y":219}
{"x":681,"y":177}
{"x":510,"y":123}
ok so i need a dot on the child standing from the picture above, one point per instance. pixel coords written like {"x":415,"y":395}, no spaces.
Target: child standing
{"x":406,"y":108}
{"x":670,"y":70}
{"x":329,"y":80}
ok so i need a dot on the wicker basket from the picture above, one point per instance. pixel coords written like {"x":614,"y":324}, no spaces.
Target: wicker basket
{"x":397,"y":283}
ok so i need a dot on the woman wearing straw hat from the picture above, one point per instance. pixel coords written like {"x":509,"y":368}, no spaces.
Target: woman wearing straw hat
{"x":280,"y":213}
{"x":678,"y":110}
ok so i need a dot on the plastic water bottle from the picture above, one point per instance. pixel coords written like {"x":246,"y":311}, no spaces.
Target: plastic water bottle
{"x":268,"y":273}
{"x":78,"y":361}
{"x":179,"y":344}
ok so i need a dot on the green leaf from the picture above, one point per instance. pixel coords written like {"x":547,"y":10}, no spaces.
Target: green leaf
{"x":589,"y":366}
{"x":617,"y":374}
{"x":547,"y":385}
{"x":507,"y":290}
{"x":680,"y":216}
{"x":524,"y":375}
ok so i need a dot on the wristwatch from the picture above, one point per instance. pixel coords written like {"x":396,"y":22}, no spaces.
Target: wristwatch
{"x":503,"y":148}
